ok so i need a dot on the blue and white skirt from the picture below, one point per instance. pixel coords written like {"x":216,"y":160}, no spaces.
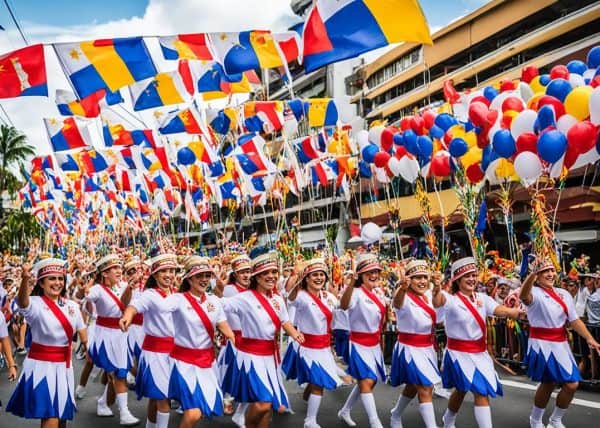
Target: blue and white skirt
{"x":135,"y":338}
{"x":45,"y":390}
{"x":551,"y":362}
{"x":109,"y":351}
{"x":196,"y":388}
{"x":153,"y":375}
{"x":317,"y":367}
{"x":414,"y":365}
{"x":366,"y":362}
{"x":289,"y":364}
{"x":473,"y":372}
{"x":341,"y":343}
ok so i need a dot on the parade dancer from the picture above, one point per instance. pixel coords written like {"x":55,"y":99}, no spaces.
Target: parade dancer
{"x":414,"y":360}
{"x":366,"y":313}
{"x":467,"y":366}
{"x":262,"y":314}
{"x":549,"y":357}
{"x":45,"y":389}
{"x":340,"y":324}
{"x":239,"y":280}
{"x":315,"y":364}
{"x":194,"y":381}
{"x":154,"y":367}
{"x":109,"y":349}
{"x":7,"y":350}
{"x":135,"y":334}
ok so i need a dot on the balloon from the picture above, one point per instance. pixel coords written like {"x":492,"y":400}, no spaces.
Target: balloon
{"x":559,"y":88}
{"x":375,"y":134}
{"x":410,"y":142}
{"x":381,"y":159}
{"x":185,"y":156}
{"x":428,"y":118}
{"x":525,"y":91}
{"x":387,"y":138}
{"x":565,"y":123}
{"x":593,"y":57}
{"x":362,"y":138}
{"x":364,"y":169}
{"x":529,"y":73}
{"x":425,"y":146}
{"x":507,"y":85}
{"x":504,"y":168}
{"x":589,"y":74}
{"x":571,"y":156}
{"x":458,"y":147}
{"x":545,"y":118}
{"x":513,"y":103}
{"x":576,"y":80}
{"x":559,"y":72}
{"x":409,"y":169}
{"x":559,"y":108}
{"x":552,"y":145}
{"x":576,"y":67}
{"x":436,"y":132}
{"x":368,"y":153}
{"x":504,"y":143}
{"x":400,"y":152}
{"x":440,"y":164}
{"x":490,"y":93}
{"x":370,"y":233}
{"x":478,"y":113}
{"x":587,"y":158}
{"x":536,"y":85}
{"x":595,"y":106}
{"x":474,"y":173}
{"x":496,"y":104}
{"x":577,"y":103}
{"x":528,"y":166}
{"x":527,"y":142}
{"x":582,"y":136}
{"x":523,"y":123}
{"x":395,"y":166}
{"x":417,"y":123}
{"x":473,"y":156}
{"x":488,"y":155}
{"x":445,"y":121}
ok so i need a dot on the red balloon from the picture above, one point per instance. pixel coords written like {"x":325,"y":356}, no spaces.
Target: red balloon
{"x":440,"y":165}
{"x":448,"y":137}
{"x":559,"y":72}
{"x":481,"y":99}
{"x":428,"y":118}
{"x":506,"y":121}
{"x":405,"y":123}
{"x":528,"y":73}
{"x":474,"y":173}
{"x":559,"y":108}
{"x":400,"y":152}
{"x":595,"y":82}
{"x":387,"y":138}
{"x":526,"y":142}
{"x":417,"y":123}
{"x":571,"y":156}
{"x":478,"y":113}
{"x":512,"y":103}
{"x":507,"y":85}
{"x":381,"y":159}
{"x":582,"y":136}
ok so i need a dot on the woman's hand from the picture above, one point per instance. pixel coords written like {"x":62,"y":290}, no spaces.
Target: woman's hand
{"x":12,"y":373}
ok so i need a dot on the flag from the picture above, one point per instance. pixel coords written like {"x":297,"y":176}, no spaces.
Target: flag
{"x":92,"y":162}
{"x":23,"y":73}
{"x":306,"y":149}
{"x":209,"y":79}
{"x":67,"y":134}
{"x":117,"y":135}
{"x":105,"y":64}
{"x":222,"y":121}
{"x":68,"y":104}
{"x":185,"y":46}
{"x":322,"y":112}
{"x":339,"y":29}
{"x":203,"y":151}
{"x":67,"y":162}
{"x":321,"y":173}
{"x":252,"y":50}
{"x":180,"y":121}
{"x":250,"y":154}
{"x":160,"y":90}
{"x":263,"y":116}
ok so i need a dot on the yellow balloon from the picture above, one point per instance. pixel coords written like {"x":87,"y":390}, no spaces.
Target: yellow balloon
{"x":536,"y":86}
{"x":511,"y":113}
{"x":471,"y":139}
{"x":457,"y":131}
{"x":473,"y":156}
{"x":532,"y":104}
{"x":505,"y":169}
{"x":577,"y":103}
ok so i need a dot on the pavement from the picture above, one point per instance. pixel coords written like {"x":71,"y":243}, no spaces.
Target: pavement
{"x":511,"y":411}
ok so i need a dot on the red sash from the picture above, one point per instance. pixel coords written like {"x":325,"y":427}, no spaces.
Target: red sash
{"x":159,"y":291}
{"x":475,"y":313}
{"x":66,"y":325}
{"x":115,"y":298}
{"x":269,"y":309}
{"x":415,"y":341}
{"x":326,"y":311}
{"x":381,"y":308}
{"x":246,"y":342}
{"x":428,"y":309}
{"x":201,"y":314}
{"x":552,"y":293}
{"x":558,"y":334}
{"x":239,"y":288}
{"x":316,"y":341}
{"x":202,"y":358}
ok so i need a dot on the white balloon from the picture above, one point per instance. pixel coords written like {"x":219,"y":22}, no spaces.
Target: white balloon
{"x":586,"y":158}
{"x":564,"y":123}
{"x":496,"y":103}
{"x":576,"y":80}
{"x":395,"y":166}
{"x":381,"y":175}
{"x":525,"y":91}
{"x":370,"y":233}
{"x":523,"y":123}
{"x":556,"y":168}
{"x":589,"y":74}
{"x":595,"y":106}
{"x":528,"y":166}
{"x":362,"y":138}
{"x":409,"y":169}
{"x":425,"y":170}
{"x":375,"y":134}
{"x":490,"y":172}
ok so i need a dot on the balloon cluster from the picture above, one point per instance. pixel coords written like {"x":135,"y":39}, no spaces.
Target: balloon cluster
{"x":518,"y":129}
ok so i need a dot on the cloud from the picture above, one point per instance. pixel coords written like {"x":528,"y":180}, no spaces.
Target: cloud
{"x":161,"y":17}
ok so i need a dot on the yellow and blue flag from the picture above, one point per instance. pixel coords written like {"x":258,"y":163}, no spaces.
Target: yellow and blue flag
{"x":161,"y":90}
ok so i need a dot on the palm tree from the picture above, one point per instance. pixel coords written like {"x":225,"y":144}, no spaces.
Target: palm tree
{"x":14,"y":151}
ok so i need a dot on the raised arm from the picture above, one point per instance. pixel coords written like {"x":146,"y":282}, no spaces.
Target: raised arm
{"x":525,"y":294}
{"x":438,"y":298}
{"x":402,"y":287}
{"x":23,"y":294}
{"x":347,"y":296}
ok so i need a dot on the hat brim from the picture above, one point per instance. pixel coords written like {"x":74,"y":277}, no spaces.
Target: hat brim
{"x":369,"y":268}
{"x":266,"y":267}
{"x":466,"y":272}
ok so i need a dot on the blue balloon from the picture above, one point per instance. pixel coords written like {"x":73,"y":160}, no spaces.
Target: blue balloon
{"x":552,"y":145}
{"x":410,"y":142}
{"x":398,"y":139}
{"x":363,"y":169}
{"x":445,"y":121}
{"x":544,"y":79}
{"x":490,"y":92}
{"x":593,"y":57}
{"x":436,"y":132}
{"x":469,"y":126}
{"x":559,"y":89}
{"x":185,"y":156}
{"x":458,"y":147}
{"x":504,"y":143}
{"x":576,"y":67}
{"x":425,"y":146}
{"x":488,"y":156}
{"x":546,"y":117}
{"x":368,"y":152}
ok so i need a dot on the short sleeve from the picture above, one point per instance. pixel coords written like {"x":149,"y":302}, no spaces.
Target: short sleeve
{"x":93,"y":294}
{"x":284,"y":316}
{"x":571,"y":311}
{"x":231,"y":304}
{"x":31,"y":312}
{"x":79,"y":324}
{"x":220,"y":315}
{"x":353,"y":299}
{"x":489,"y":303}
{"x":142,"y":303}
{"x":3,"y":327}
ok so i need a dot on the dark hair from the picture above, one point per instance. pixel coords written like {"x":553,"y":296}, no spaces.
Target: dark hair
{"x":253,"y":283}
{"x":304,"y":285}
{"x":359,"y":281}
{"x":151,"y":282}
{"x":184,"y":286}
{"x":39,"y":291}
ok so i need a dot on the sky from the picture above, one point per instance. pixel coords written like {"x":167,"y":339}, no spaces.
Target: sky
{"x":44,"y":21}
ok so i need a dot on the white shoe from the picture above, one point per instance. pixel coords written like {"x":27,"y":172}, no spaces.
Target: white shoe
{"x":130,"y":379}
{"x":239,"y":420}
{"x":311,"y":423}
{"x":395,"y":421}
{"x":103,"y":410}
{"x":375,"y":424}
{"x":555,"y":424}
{"x":80,"y":392}
{"x":344,"y":415}
{"x":535,"y":424}
{"x":128,"y":420}
{"x":179,"y":410}
{"x":442,"y":392}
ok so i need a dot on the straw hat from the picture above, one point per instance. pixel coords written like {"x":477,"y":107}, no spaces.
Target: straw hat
{"x":241,"y":262}
{"x":417,"y":267}
{"x":108,"y":262}
{"x":367,"y":262}
{"x":163,"y":261}
{"x":463,"y":266}
{"x":314,"y":265}
{"x":49,"y":267}
{"x":196,"y":265}
{"x":264,"y":262}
